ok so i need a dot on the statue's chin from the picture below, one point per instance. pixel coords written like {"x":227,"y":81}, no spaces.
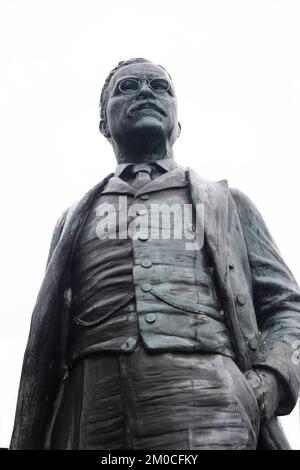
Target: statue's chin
{"x":147,"y":135}
{"x":146,"y":122}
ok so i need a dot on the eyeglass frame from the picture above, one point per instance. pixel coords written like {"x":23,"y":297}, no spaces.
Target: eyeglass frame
{"x":140,"y":80}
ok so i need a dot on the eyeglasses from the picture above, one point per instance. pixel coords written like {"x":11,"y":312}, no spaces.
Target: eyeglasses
{"x":129,"y":86}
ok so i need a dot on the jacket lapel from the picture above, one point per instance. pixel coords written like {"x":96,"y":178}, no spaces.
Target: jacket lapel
{"x":214,"y":197}
{"x":74,"y":220}
{"x":217,"y":225}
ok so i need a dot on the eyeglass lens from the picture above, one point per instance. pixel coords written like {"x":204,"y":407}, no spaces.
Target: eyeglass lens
{"x":130,"y":85}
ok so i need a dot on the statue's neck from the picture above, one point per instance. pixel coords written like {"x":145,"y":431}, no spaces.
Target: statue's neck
{"x":142,"y":152}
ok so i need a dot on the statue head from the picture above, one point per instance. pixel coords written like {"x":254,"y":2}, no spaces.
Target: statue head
{"x":138,"y":101}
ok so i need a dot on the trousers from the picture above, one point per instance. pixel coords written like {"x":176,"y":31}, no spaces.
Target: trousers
{"x":151,"y":401}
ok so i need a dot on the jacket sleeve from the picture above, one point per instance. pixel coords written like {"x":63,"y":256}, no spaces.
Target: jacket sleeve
{"x":40,"y":374}
{"x":276,"y":298}
{"x":56,"y":234}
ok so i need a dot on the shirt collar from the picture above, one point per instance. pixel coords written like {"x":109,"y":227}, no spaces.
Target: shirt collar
{"x":166,"y":164}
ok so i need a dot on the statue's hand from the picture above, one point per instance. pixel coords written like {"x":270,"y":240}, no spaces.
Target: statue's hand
{"x":266,"y":390}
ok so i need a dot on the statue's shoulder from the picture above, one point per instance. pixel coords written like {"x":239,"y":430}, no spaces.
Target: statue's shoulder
{"x":207,"y":189}
{"x":243,"y":202}
{"x":221,"y":190}
{"x":197,"y":179}
{"x":81,"y":203}
{"x":71,"y":216}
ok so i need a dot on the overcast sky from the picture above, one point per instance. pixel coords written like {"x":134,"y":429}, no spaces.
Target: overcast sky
{"x":235,"y":66}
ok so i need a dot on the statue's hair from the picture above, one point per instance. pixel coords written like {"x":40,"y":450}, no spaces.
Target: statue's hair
{"x":104,"y":92}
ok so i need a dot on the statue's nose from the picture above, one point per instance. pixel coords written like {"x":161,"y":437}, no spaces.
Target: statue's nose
{"x":145,"y":90}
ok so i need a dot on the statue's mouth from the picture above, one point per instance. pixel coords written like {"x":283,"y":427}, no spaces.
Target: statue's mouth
{"x":147,"y":105}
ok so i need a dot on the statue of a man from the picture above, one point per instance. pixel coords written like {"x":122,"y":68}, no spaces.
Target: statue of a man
{"x":156,"y":332}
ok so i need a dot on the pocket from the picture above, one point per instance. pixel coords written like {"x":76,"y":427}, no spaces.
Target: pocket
{"x":207,"y":310}
{"x":250,"y":389}
{"x":255,"y":387}
{"x":101,"y":317}
{"x":241,"y":387}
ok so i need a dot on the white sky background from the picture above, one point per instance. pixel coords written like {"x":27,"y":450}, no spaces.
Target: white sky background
{"x":236,"y":70}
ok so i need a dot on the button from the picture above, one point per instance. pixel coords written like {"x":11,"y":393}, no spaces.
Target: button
{"x":241,"y":299}
{"x":144,"y":197}
{"x":146,"y":263}
{"x":141,"y":212}
{"x":146,"y":287}
{"x":231,"y":265}
{"x":143,"y":237}
{"x":150,"y":317}
{"x":253,"y":343}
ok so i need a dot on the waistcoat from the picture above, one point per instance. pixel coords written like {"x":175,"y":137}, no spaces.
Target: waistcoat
{"x":136,"y":279}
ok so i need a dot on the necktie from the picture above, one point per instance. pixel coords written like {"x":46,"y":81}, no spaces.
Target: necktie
{"x":142,"y":173}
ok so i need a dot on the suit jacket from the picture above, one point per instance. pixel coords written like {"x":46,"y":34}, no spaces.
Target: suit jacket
{"x":260,"y":298}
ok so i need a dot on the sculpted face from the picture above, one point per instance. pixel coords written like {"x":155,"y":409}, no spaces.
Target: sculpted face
{"x":144,"y":112}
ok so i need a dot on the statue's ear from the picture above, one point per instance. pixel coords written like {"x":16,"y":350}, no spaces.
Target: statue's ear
{"x":104,"y":129}
{"x":179,"y":129}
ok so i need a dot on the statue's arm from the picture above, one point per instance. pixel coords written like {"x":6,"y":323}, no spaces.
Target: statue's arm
{"x":277,"y":305}
{"x":57,"y":234}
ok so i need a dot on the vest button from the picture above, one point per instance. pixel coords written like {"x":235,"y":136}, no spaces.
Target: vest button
{"x":144,"y":197}
{"x":146,"y":263}
{"x":143,"y":237}
{"x":241,"y":299}
{"x":146,"y":287}
{"x":150,"y":317}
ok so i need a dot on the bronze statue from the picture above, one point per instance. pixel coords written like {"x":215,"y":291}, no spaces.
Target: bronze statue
{"x":179,"y":336}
